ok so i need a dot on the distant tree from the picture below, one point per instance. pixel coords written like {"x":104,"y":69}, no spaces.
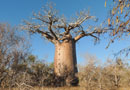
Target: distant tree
{"x":117,"y":72}
{"x":12,"y":49}
{"x":63,"y":34}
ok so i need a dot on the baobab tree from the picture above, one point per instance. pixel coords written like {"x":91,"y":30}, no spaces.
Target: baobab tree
{"x":63,"y":34}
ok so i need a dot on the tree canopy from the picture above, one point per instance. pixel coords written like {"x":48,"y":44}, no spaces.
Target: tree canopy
{"x":54,"y":27}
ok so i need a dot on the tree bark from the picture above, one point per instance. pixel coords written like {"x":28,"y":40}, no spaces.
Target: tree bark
{"x":65,"y":62}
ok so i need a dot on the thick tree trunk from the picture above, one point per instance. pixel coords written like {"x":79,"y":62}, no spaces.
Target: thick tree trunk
{"x":65,"y":62}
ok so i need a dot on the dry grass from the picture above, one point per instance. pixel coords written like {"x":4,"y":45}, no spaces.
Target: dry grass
{"x":49,"y":88}
{"x":62,"y":88}
{"x":58,"y":88}
{"x":127,"y":88}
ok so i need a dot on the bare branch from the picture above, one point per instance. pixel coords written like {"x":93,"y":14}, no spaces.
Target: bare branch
{"x":33,"y":28}
{"x":80,"y":36}
{"x":83,"y":34}
{"x":50,"y":28}
{"x":41,"y":19}
{"x":45,"y":34}
{"x":77,"y":23}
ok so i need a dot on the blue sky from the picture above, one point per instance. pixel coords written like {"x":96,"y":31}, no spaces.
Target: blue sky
{"x":14,"y":11}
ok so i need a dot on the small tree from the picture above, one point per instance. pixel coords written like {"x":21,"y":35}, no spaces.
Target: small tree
{"x":12,"y":50}
{"x":64,"y":35}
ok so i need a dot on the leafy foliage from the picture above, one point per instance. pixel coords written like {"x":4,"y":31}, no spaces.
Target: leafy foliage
{"x":119,"y":19}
